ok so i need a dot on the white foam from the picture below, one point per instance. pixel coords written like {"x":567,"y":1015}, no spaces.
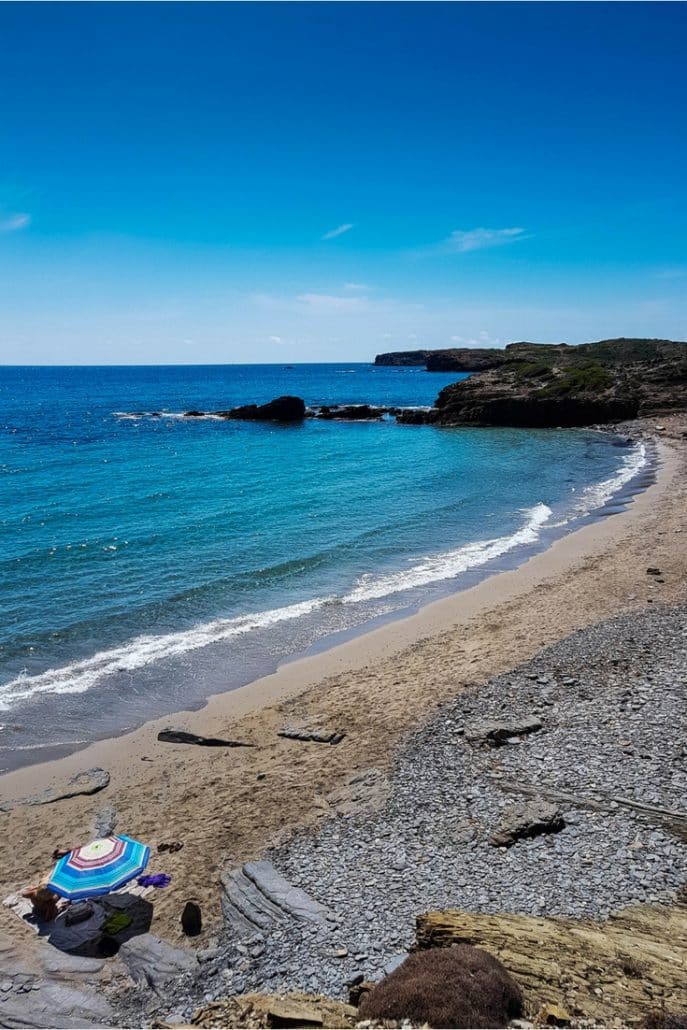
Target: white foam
{"x":437,"y":567}
{"x":597,"y":494}
{"x":78,"y":677}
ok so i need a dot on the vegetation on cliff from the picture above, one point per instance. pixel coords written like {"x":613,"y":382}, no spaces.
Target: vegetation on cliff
{"x":560,"y":385}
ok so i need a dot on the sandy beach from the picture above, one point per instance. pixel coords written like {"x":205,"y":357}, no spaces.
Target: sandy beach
{"x":226,"y":805}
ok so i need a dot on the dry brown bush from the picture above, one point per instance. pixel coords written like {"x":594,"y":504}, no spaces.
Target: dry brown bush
{"x":460,"y":987}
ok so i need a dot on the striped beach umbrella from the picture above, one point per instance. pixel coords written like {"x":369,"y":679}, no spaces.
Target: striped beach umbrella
{"x":97,"y":868}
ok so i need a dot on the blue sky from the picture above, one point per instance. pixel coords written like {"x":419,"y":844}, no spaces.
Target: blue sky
{"x":264,"y":182}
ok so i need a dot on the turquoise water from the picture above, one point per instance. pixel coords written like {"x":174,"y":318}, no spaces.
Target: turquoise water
{"x":148,"y":562}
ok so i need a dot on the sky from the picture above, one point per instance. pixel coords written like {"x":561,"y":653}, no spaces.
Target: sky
{"x":259,"y":182}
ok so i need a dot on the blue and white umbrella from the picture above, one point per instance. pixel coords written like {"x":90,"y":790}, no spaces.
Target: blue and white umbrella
{"x":97,"y":868}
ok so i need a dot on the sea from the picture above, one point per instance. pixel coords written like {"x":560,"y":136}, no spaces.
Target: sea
{"x":149,"y":560}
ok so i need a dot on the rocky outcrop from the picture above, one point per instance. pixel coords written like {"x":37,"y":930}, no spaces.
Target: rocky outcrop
{"x":613,"y":973}
{"x":453,"y":359}
{"x":285,"y":1010}
{"x":403,"y":357}
{"x":281,"y":409}
{"x":350,"y":412}
{"x":90,"y":781}
{"x":557,"y":385}
{"x":256,"y":897}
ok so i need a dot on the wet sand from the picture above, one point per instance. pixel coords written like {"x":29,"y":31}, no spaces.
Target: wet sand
{"x":225,"y":805}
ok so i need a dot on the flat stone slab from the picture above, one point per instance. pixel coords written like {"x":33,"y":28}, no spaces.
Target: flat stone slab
{"x":497,"y":733}
{"x":256,"y":897}
{"x":40,"y":986}
{"x":90,"y":781}
{"x":316,"y":736}
{"x":151,"y":960}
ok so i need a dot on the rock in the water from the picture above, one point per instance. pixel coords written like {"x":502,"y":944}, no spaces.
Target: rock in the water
{"x":281,"y":409}
{"x":191,"y":919}
{"x":350,"y":412}
{"x":497,"y":733}
{"x":527,"y":819}
{"x":184,"y":737}
{"x":88,"y":782}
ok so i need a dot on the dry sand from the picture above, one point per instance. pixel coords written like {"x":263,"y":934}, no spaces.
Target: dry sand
{"x":373,"y":688}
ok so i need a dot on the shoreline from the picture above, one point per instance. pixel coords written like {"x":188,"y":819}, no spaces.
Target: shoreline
{"x":510,"y":559}
{"x":215,"y":802}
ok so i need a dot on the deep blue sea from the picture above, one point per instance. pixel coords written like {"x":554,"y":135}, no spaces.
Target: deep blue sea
{"x":147,"y":562}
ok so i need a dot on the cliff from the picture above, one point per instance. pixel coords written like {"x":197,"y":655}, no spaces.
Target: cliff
{"x":454,"y":359}
{"x":558,"y":385}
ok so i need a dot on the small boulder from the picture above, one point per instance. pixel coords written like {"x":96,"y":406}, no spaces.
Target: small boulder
{"x":527,"y":819}
{"x":497,"y":733}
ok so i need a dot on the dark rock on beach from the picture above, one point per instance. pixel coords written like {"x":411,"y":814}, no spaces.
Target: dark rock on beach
{"x":184,"y":737}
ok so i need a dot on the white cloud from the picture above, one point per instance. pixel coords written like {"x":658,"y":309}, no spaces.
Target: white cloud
{"x":339,"y":231}
{"x":275,"y":339}
{"x":356,"y":287}
{"x":331,"y":302}
{"x":13,"y":222}
{"x":463,"y":240}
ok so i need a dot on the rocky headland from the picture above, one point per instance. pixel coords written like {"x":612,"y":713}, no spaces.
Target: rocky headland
{"x":528,"y":385}
{"x":540,"y":385}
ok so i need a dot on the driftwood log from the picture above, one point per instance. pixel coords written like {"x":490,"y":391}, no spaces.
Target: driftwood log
{"x":610,"y":972}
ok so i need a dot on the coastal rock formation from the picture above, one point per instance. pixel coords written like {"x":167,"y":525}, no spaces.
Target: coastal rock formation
{"x":281,"y":409}
{"x":265,"y":1010}
{"x":453,"y":359}
{"x":90,"y":781}
{"x":604,"y":972}
{"x":403,"y":358}
{"x":350,"y":412}
{"x":556,"y":385}
{"x":256,"y":897}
